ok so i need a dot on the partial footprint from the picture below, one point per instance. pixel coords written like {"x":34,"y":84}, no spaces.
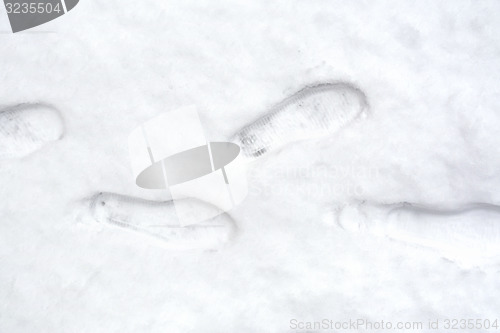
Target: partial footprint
{"x":26,"y":128}
{"x":468,"y":232}
{"x":159,"y":220}
{"x":311,"y":113}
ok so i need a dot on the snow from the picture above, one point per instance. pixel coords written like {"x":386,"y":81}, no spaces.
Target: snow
{"x":430,"y":71}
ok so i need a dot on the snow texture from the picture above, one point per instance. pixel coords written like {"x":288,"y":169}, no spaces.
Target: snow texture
{"x":429,"y":70}
{"x":26,"y":128}
{"x":313,"y":112}
{"x":468,"y":234}
{"x":159,"y":219}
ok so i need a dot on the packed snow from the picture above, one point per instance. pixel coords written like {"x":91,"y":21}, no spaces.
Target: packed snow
{"x":429,"y":70}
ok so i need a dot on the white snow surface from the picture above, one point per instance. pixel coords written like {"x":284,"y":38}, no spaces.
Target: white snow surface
{"x":430,"y":71}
